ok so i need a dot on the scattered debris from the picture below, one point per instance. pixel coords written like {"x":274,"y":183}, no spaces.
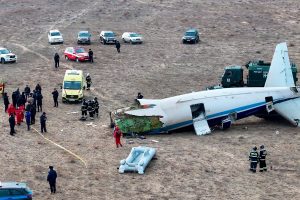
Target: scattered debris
{"x":74,"y":112}
{"x":276,"y":132}
{"x":91,"y":124}
{"x":141,"y":137}
{"x":154,"y":141}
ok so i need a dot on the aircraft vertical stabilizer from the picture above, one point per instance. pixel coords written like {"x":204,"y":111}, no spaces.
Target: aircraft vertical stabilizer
{"x":280,"y":73}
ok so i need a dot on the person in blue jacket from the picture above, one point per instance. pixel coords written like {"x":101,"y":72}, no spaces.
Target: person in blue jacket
{"x":51,"y":178}
{"x":28,"y":119}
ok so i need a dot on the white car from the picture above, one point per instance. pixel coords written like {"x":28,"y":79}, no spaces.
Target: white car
{"x":54,"y":36}
{"x":132,"y":37}
{"x":7,"y":56}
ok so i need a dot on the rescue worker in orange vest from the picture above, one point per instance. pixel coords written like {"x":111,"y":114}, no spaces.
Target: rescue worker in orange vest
{"x":117,"y":135}
{"x":19,"y":115}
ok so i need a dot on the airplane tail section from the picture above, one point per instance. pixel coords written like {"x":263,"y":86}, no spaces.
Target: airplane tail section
{"x":280,"y":73}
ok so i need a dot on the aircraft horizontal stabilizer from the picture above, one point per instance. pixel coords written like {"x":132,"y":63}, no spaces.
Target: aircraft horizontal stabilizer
{"x":289,"y":110}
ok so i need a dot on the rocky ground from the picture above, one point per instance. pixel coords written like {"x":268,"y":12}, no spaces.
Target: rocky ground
{"x":187,"y":166}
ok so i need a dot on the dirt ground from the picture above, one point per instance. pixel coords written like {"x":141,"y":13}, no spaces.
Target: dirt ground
{"x":214,"y":166}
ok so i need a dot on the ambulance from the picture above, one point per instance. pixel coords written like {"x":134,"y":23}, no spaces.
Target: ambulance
{"x":73,"y":86}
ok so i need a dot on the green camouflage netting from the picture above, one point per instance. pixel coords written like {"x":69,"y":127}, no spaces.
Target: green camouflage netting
{"x":138,"y":124}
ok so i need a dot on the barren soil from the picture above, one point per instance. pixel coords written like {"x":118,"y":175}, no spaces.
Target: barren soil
{"x":187,"y":166}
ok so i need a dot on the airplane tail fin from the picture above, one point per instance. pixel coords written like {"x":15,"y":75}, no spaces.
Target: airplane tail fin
{"x":280,"y":73}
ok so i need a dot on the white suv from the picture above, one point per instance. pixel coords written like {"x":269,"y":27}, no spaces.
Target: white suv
{"x":54,"y":36}
{"x":7,"y":56}
{"x":132,"y":37}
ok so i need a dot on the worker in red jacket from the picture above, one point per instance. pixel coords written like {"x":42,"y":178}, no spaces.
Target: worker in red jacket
{"x":22,"y":108}
{"x":117,"y":135}
{"x":19,"y":115}
{"x":11,"y":109}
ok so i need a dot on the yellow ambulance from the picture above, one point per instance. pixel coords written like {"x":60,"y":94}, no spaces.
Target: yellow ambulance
{"x":73,"y":86}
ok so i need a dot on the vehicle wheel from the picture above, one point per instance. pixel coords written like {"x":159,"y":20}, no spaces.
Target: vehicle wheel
{"x":66,"y":57}
{"x":77,"y":60}
{"x":130,"y":42}
{"x":104,"y":42}
{"x":124,"y":40}
{"x":183,"y":42}
{"x":2,"y":61}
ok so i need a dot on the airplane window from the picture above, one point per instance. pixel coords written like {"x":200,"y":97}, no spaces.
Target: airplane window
{"x":229,"y":73}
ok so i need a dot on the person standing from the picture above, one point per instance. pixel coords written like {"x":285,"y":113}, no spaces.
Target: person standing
{"x":33,"y":113}
{"x":117,"y":135}
{"x":39,"y":101}
{"x":253,"y":157}
{"x":55,"y":97}
{"x":88,"y":81}
{"x":90,"y":109}
{"x":34,"y":97}
{"x":84,"y":107}
{"x":5,"y":101}
{"x":43,"y":120}
{"x":15,"y":96}
{"x":27,"y":91}
{"x":11,"y":109}
{"x":56,"y":60}
{"x":38,"y":88}
{"x":118,"y":46}
{"x":262,"y":159}
{"x":96,"y":106}
{"x":91,"y":55}
{"x":28,"y":120}
{"x":139,"y":96}
{"x":19,"y":115}
{"x":51,"y":178}
{"x":12,"y":123}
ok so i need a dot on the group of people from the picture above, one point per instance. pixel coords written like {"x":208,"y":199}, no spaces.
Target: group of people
{"x":260,"y":158}
{"x":25,"y":105}
{"x":90,"y":107}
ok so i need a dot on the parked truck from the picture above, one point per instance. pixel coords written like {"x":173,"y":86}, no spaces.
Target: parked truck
{"x":257,"y":74}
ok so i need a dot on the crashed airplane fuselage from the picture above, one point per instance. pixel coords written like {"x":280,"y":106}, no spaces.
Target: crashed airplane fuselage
{"x":217,"y":107}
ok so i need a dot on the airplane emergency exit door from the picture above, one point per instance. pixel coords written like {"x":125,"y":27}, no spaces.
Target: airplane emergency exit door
{"x":199,"y":119}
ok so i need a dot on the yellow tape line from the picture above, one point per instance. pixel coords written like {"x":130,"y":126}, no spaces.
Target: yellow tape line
{"x":70,"y":152}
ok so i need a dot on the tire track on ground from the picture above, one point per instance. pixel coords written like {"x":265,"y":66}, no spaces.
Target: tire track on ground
{"x":63,"y":20}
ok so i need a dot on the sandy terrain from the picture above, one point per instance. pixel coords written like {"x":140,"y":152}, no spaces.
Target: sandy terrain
{"x":187,"y":166}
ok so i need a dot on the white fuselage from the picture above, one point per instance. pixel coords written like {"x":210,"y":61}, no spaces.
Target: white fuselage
{"x":219,"y":104}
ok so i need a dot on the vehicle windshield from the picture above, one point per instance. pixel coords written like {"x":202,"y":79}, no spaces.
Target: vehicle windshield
{"x":80,"y":50}
{"x":4,"y":51}
{"x":134,"y":35}
{"x":109,"y":34}
{"x":55,"y":34}
{"x":72,"y":85}
{"x":84,"y":34}
{"x":190,"y":33}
